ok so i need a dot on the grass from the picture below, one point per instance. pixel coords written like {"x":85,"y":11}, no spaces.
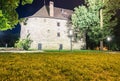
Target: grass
{"x":73,"y":51}
{"x":60,"y":66}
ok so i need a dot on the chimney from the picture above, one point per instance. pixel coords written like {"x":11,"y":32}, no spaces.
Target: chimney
{"x":51,"y":8}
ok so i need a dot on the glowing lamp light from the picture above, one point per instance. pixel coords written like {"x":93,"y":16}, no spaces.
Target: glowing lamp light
{"x":109,"y":38}
{"x":70,"y":32}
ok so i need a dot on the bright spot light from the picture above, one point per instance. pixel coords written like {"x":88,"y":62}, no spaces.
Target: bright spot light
{"x":109,"y":38}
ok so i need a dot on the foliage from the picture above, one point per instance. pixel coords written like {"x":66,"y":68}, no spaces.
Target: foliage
{"x":8,"y":38}
{"x":24,"y":43}
{"x":86,"y":18}
{"x":96,"y":34}
{"x":60,"y":67}
{"x":113,"y":6}
{"x":117,"y":32}
{"x":109,"y":12}
{"x":26,"y":1}
{"x":3,"y":22}
{"x":8,"y":14}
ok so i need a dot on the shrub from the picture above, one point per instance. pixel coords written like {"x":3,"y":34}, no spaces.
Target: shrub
{"x":24,"y":43}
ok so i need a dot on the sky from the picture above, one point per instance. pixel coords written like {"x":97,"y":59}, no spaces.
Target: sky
{"x":30,"y":9}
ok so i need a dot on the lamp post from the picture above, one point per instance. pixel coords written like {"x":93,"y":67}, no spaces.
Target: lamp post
{"x":109,"y":39}
{"x":70,"y":35}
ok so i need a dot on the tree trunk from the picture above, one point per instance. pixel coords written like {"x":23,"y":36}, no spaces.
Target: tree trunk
{"x":86,"y":39}
{"x":101,"y":26}
{"x":101,"y":45}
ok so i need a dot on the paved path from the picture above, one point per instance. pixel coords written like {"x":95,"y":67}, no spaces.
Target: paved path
{"x":16,"y":50}
{"x":21,"y":51}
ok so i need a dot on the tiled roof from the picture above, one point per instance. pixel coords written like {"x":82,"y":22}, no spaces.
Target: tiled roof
{"x":62,"y":13}
{"x":58,"y":12}
{"x":42,"y":12}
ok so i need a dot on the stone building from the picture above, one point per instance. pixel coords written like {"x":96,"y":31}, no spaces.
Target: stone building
{"x":48,"y":29}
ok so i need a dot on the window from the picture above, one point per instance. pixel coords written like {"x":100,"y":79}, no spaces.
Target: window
{"x":48,"y":31}
{"x":25,"y":21}
{"x":58,"y":24}
{"x":75,"y":37}
{"x":62,"y":11}
{"x":58,"y":34}
{"x":27,"y":31}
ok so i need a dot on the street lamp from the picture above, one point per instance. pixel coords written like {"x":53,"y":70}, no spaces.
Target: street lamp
{"x":70,"y":35}
{"x":109,"y":39}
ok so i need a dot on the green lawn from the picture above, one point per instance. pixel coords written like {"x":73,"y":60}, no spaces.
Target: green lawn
{"x":60,"y":66}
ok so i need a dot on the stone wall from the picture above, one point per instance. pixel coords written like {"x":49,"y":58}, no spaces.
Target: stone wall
{"x":48,"y":33}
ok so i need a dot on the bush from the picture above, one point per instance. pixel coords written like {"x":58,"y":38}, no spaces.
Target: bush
{"x":24,"y":43}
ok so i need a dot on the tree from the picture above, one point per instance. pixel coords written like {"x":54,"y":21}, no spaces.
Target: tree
{"x":113,"y":6}
{"x":97,"y":24}
{"x":116,"y":31}
{"x":86,"y":17}
{"x":8,"y":14}
{"x":107,"y":16}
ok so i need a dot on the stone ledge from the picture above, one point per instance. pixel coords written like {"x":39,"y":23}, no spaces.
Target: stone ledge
{"x":11,"y":49}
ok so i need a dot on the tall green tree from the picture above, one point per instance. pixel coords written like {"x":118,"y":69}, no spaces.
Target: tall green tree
{"x":88,"y":18}
{"x":8,"y":14}
{"x":107,"y":16}
{"x":113,"y":6}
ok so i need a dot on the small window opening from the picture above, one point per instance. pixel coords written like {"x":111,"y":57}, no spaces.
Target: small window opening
{"x":58,"y":24}
{"x":58,"y":34}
